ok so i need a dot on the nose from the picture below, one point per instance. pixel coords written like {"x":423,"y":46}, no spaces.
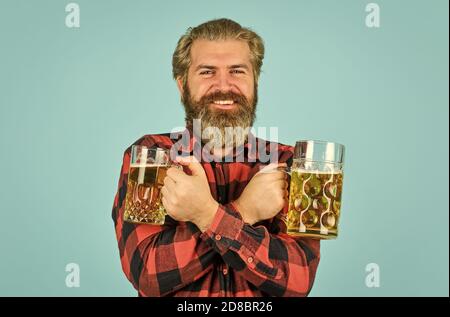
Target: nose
{"x":223,"y":82}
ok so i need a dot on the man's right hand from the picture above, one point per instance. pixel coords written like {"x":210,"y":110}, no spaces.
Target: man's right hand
{"x":264,"y":196}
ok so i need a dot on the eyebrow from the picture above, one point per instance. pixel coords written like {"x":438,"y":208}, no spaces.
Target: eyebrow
{"x":204,"y":66}
{"x":239,"y":66}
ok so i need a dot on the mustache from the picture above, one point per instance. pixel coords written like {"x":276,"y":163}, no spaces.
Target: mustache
{"x":219,"y":95}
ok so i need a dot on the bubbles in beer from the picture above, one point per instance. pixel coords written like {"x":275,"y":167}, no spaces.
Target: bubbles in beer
{"x":313,"y":187}
{"x":297,"y":204}
{"x":301,"y":203}
{"x":331,"y":189}
{"x":314,"y":203}
{"x":143,"y":199}
{"x":329,"y":220}
{"x":321,"y":203}
{"x":336,"y":207}
{"x":310,"y":218}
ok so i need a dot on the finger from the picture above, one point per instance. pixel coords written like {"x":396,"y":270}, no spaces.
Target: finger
{"x":175,"y":174}
{"x":167,"y":196}
{"x":284,"y":194}
{"x":164,"y":192}
{"x":193,"y":164}
{"x":274,"y":176}
{"x":273,"y":167}
{"x":270,"y":168}
{"x":281,"y":175}
{"x":169,"y":182}
{"x":165,"y":203}
{"x":281,"y":183}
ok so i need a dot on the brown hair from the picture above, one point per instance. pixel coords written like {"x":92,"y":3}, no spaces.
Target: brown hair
{"x":220,"y":29}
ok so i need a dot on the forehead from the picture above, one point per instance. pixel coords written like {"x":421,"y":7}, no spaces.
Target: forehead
{"x":220,"y":52}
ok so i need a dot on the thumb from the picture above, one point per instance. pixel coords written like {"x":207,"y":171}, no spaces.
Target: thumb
{"x":192,"y":164}
{"x":273,"y":167}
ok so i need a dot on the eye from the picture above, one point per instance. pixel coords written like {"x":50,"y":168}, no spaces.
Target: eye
{"x":237,"y":71}
{"x":206,"y":72}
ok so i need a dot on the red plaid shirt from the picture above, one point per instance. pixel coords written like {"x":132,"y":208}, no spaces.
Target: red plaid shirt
{"x":231,"y":258}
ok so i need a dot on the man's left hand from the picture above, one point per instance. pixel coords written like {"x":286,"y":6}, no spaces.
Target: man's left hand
{"x":188,"y":197}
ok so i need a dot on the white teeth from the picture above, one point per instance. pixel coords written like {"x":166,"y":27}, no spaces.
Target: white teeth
{"x":223,"y":102}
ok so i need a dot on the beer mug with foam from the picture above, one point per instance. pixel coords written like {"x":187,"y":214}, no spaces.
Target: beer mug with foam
{"x":315,"y":189}
{"x":148,"y":168}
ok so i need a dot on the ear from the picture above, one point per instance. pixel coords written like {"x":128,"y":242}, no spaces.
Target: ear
{"x":180,"y":85}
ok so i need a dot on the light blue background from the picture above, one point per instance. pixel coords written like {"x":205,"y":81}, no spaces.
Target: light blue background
{"x":73,"y":99}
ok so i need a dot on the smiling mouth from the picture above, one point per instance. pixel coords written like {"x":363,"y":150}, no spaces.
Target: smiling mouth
{"x":224,"y":104}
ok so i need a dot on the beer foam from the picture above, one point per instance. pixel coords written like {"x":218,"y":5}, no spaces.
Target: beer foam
{"x":302,"y":170}
{"x":140,"y":165}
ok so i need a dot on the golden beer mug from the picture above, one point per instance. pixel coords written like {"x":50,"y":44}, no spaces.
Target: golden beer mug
{"x":148,"y":168}
{"x":315,"y":189}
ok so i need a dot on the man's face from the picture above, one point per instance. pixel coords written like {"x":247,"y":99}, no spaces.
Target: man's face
{"x":220,"y":88}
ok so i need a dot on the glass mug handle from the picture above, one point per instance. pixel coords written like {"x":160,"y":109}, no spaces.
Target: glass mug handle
{"x":285,"y":169}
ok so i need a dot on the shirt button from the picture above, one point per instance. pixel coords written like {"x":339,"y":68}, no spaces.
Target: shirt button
{"x":218,"y":237}
{"x":250,"y":259}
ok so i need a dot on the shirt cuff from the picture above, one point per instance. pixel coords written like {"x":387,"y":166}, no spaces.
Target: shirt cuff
{"x":224,"y":229}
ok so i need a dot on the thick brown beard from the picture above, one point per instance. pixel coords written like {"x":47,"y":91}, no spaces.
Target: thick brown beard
{"x":242,"y":116}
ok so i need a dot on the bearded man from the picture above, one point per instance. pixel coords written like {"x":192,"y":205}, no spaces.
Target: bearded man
{"x":224,"y":233}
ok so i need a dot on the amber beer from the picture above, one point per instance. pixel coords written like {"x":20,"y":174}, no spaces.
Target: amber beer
{"x":315,"y":190}
{"x":314,"y":203}
{"x":147,"y":171}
